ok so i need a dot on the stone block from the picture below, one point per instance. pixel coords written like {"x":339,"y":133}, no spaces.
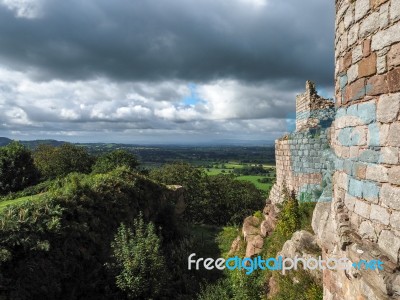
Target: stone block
{"x":342,"y":180}
{"x":369,"y":156}
{"x":367,"y":231}
{"x":357,"y":53}
{"x":394,"y":80}
{"x":373,"y":138}
{"x":352,"y":36}
{"x":377,"y":173}
{"x":388,"y":108}
{"x":395,"y":219}
{"x":352,"y":73}
{"x":390,"y":244}
{"x":386,"y":37}
{"x":367,"y":66}
{"x":368,"y":26}
{"x":355,"y":188}
{"x":389,"y":155}
{"x":349,"y":201}
{"x":355,"y":90}
{"x":371,"y":192}
{"x":348,"y":17}
{"x":348,"y":165}
{"x":360,"y":171}
{"x":381,"y":64}
{"x":354,"y":152}
{"x":394,"y":10}
{"x":347,"y":60}
{"x":361,"y":9}
{"x":393,"y":137}
{"x":384,"y":15}
{"x":390,"y":196}
{"x":393,"y":56}
{"x":380,"y":214}
{"x":367,"y":112}
{"x":362,"y":208}
{"x":383,"y":133}
{"x":394,"y":175}
{"x":377,"y":85}
{"x":377,"y":3}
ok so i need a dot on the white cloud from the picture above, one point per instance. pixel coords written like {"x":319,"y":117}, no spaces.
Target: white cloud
{"x":102,"y":107}
{"x":29,"y":9}
{"x":255,"y":3}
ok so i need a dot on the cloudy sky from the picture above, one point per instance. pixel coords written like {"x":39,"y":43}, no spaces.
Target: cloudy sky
{"x":159,"y":71}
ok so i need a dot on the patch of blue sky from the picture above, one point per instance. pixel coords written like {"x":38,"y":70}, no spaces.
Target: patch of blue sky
{"x":194,"y":97}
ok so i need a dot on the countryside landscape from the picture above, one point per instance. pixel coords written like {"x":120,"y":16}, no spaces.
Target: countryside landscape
{"x":205,"y":150}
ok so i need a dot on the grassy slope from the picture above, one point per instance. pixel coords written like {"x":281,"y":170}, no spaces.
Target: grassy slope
{"x":253,"y":179}
{"x":4,"y":204}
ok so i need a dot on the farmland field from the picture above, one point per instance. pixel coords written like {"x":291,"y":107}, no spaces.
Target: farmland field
{"x":233,"y":167}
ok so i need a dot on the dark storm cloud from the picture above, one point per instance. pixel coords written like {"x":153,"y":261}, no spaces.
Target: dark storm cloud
{"x":153,"y":40}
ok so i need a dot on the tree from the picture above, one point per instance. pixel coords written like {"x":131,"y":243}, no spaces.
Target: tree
{"x":117,"y":158}
{"x":59,"y":161}
{"x":17,"y":169}
{"x":192,"y":179}
{"x":218,"y":200}
{"x":289,"y":217}
{"x":141,"y":269}
{"x":231,"y":200}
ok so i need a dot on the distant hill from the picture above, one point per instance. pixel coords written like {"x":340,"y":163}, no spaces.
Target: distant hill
{"x":31,"y":144}
{"x":4,"y":141}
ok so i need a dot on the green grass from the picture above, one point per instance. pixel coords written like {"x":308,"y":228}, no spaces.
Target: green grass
{"x":226,"y":237}
{"x":213,"y":171}
{"x":232,"y":165}
{"x":253,"y":179}
{"x":18,"y":201}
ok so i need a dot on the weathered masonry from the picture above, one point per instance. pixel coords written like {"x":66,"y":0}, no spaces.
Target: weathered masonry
{"x":303,"y":156}
{"x":352,"y":166}
{"x":363,"y":219}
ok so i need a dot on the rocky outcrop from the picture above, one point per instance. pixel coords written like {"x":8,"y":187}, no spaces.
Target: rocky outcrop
{"x":303,"y":244}
{"x":252,"y":236}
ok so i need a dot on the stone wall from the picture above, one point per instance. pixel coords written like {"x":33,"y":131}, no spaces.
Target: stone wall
{"x":355,"y":161}
{"x":302,"y":156}
{"x":363,"y":219}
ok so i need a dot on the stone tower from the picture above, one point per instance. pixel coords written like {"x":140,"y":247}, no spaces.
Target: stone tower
{"x":363,"y":220}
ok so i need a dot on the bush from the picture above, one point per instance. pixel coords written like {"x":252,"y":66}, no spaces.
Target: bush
{"x":221,"y":290}
{"x":141,"y":271}
{"x":17,"y":169}
{"x":114,"y":159}
{"x":53,"y":162}
{"x":216,"y":200}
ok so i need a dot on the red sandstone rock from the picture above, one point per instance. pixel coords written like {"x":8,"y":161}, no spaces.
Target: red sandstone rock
{"x":347,"y":60}
{"x":394,"y":80}
{"x":366,"y":48}
{"x":367,"y":66}
{"x":393,"y":57}
{"x":355,"y":91}
{"x":377,"y":85}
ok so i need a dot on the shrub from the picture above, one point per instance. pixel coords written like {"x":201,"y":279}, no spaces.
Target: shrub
{"x":17,"y":169}
{"x":114,"y":159}
{"x":141,"y":270}
{"x":55,"y":162}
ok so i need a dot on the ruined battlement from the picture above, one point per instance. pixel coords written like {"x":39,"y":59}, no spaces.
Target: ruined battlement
{"x":302,"y":156}
{"x":312,"y":109}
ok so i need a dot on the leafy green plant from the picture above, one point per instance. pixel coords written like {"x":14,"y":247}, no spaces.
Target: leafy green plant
{"x":17,"y":170}
{"x":140,"y":265}
{"x":114,"y":159}
{"x":53,"y":162}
